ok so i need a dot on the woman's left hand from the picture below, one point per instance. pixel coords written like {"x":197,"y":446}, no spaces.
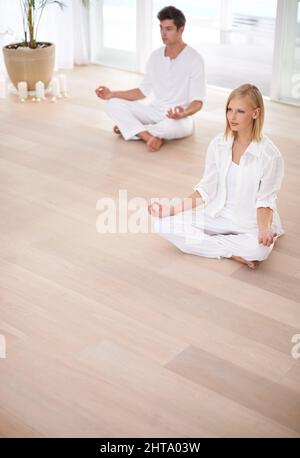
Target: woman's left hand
{"x":266,"y":236}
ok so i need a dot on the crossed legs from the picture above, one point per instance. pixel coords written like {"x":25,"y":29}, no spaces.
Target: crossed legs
{"x":202,"y":235}
{"x":134,"y":119}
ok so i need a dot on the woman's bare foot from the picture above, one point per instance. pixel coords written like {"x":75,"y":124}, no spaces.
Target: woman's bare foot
{"x":117,"y":130}
{"x":154,"y":144}
{"x":251,"y":264}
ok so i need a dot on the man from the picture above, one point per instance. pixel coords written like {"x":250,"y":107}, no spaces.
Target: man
{"x":175,"y":74}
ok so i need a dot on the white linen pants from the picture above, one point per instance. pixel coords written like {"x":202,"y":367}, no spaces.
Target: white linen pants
{"x":202,"y":235}
{"x":133,"y":117}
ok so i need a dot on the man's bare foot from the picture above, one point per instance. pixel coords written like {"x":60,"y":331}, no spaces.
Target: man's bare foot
{"x":154,"y":144}
{"x":251,"y":264}
{"x":117,"y":130}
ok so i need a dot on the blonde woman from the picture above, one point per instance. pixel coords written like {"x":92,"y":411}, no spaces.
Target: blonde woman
{"x":232,"y":212}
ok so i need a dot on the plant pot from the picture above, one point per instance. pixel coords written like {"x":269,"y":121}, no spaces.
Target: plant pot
{"x":30,"y":65}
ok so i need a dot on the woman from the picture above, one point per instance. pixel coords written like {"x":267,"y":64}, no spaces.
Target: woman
{"x":232,"y":212}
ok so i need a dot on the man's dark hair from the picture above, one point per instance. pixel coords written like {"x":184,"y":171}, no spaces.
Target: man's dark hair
{"x":170,"y":12}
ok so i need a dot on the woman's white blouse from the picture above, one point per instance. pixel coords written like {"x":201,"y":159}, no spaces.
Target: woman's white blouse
{"x":259,"y":179}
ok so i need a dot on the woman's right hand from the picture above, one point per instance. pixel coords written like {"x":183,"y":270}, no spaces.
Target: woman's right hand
{"x":160,"y":210}
{"x":103,"y":93}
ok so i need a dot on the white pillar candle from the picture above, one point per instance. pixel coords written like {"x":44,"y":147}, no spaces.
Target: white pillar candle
{"x":40,"y":90}
{"x":63,"y":83}
{"x":55,"y":89}
{"x":23,"y":90}
{"x":2,"y":87}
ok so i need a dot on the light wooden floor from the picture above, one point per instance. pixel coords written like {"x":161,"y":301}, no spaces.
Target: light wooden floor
{"x":123,"y":335}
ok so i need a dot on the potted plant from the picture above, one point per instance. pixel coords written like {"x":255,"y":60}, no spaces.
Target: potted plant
{"x":31,"y":60}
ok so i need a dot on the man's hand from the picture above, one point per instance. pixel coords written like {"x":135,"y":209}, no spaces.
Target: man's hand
{"x":177,"y":113}
{"x":266,"y":236}
{"x":104,"y":93}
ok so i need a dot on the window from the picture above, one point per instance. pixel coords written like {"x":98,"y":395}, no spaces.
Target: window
{"x":113,"y":33}
{"x":119,"y":25}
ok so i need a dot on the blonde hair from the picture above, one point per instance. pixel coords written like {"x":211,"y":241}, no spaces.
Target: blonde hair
{"x":256,"y":101}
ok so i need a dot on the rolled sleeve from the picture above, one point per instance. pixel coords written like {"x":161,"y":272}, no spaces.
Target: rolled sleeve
{"x":202,"y":193}
{"x":270,"y":183}
{"x":207,"y":187}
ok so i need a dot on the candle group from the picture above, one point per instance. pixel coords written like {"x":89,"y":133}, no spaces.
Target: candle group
{"x":58,"y":88}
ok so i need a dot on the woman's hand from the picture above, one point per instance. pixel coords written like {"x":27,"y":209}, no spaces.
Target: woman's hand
{"x":103,"y":93}
{"x":160,"y":210}
{"x":266,"y":236}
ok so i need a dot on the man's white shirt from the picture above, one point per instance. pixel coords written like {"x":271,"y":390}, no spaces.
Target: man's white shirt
{"x":174,"y":82}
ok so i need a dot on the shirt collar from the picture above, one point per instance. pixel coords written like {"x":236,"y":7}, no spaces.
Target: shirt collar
{"x":178,"y":55}
{"x":253,"y":148}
